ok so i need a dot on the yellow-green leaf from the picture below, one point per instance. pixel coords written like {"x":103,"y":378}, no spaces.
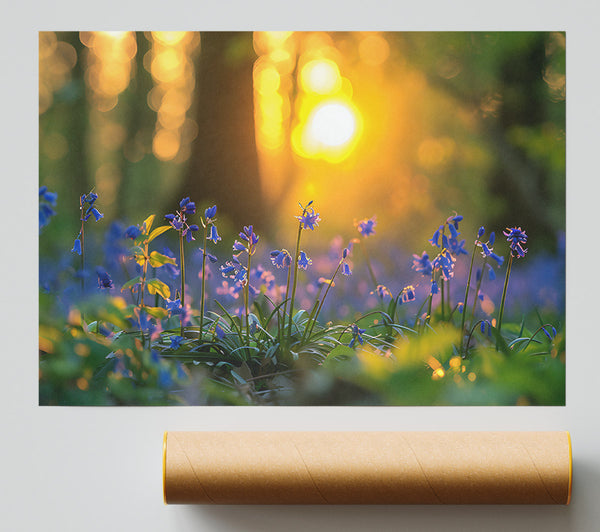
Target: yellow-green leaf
{"x":147,"y":224}
{"x":158,"y":231}
{"x":156,"y":286}
{"x":131,"y":283}
{"x":158,"y":259}
{"x":157,"y":312}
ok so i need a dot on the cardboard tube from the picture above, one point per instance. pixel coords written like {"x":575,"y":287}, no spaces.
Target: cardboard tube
{"x":367,"y":467}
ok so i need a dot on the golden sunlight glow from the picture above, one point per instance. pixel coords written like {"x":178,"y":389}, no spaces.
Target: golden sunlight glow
{"x":330,"y":131}
{"x":321,"y":76}
{"x":332,"y":124}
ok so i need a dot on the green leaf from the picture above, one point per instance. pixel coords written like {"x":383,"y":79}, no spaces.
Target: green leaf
{"x":158,"y":231}
{"x":157,"y":312}
{"x":156,"y":286}
{"x":158,"y":259}
{"x":341,"y":351}
{"x":131,"y":283}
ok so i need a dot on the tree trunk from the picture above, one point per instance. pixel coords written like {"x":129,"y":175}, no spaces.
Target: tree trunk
{"x":224,"y":162}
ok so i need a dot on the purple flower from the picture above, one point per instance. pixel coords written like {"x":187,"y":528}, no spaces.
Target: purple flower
{"x":213,"y":234}
{"x":309,"y":218}
{"x":435,"y":239}
{"x":210,"y":213}
{"x":366,"y":227}
{"x":422,"y":264}
{"x":445,"y":263}
{"x":46,"y":211}
{"x":303,"y":261}
{"x":281,"y":259}
{"x":176,"y":342}
{"x":104,"y":280}
{"x":356,"y":335}
{"x":77,"y":245}
{"x":346,"y":269}
{"x":453,"y":220}
{"x":133,"y":231}
{"x":187,"y":206}
{"x":516,"y":237}
{"x":238,"y":247}
{"x":212,"y":258}
{"x":408,"y":294}
{"x":480,"y":232}
{"x":434,"y":287}
{"x":382,"y":291}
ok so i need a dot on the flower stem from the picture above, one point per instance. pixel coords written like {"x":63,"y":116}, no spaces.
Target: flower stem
{"x":501,"y":313}
{"x":182,"y":261}
{"x":478,"y":288}
{"x":464,"y":310}
{"x":295,"y":277}
{"x":442,"y":297}
{"x":200,"y":334}
{"x":324,"y":296}
{"x":287,"y":291}
{"x":247,"y":298}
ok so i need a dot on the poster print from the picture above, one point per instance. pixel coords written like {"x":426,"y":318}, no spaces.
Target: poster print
{"x":302,"y":218}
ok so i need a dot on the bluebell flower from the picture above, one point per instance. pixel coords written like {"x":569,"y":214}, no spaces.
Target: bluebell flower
{"x":481,"y":232}
{"x":210,"y":213}
{"x":188,"y":232}
{"x":248,"y":235}
{"x":453,"y":232}
{"x":303,"y":261}
{"x":281,"y":258}
{"x":435,"y":239}
{"x":77,"y":245}
{"x":356,"y":335}
{"x":516,"y":237}
{"x":187,"y":206}
{"x":309,"y":218}
{"x":457,"y":248}
{"x":90,"y":210}
{"x":176,"y":342}
{"x":486,"y":251}
{"x":408,"y":294}
{"x":238,"y":247}
{"x":382,"y":291}
{"x":174,"y":306}
{"x":366,"y":227}
{"x":346,"y":269}
{"x":46,"y":211}
{"x":422,"y":264}
{"x":434,"y":287}
{"x":444,"y":262}
{"x":212,"y":258}
{"x":97,"y":214}
{"x":104,"y":280}
{"x":132,"y":232}
{"x":213,"y":234}
{"x":453,"y":220}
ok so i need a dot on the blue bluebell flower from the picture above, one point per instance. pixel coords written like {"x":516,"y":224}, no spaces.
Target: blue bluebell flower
{"x":422,"y":264}
{"x":453,"y":220}
{"x":46,"y":211}
{"x":309,"y":218}
{"x":104,"y":280}
{"x":174,"y":306}
{"x":238,"y":247}
{"x":366,"y":227}
{"x":457,"y":248}
{"x":486,"y":251}
{"x":132,"y":232}
{"x":176,"y":342}
{"x":210,"y":213}
{"x":481,"y":232}
{"x":516,"y":237}
{"x":356,"y":335}
{"x":346,"y":269}
{"x":187,"y":206}
{"x":444,"y":262}
{"x":304,"y":261}
{"x":213,"y":234}
{"x":435,"y":239}
{"x":382,"y":291}
{"x":281,"y":258}
{"x":408,"y":294}
{"x":434,"y":287}
{"x":77,"y":245}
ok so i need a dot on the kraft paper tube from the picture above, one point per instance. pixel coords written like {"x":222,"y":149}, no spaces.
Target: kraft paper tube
{"x":367,"y":467}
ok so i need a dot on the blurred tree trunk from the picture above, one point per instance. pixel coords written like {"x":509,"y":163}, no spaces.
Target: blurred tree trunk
{"x":224,"y":163}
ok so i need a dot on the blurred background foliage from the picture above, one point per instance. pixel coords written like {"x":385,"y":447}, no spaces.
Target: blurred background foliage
{"x":405,"y":126}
